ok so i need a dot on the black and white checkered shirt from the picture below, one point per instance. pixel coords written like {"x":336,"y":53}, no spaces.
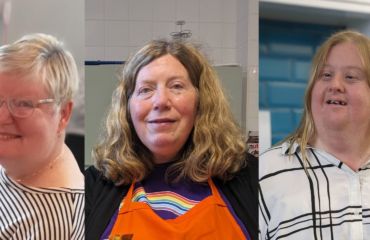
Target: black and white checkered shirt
{"x":328,"y":201}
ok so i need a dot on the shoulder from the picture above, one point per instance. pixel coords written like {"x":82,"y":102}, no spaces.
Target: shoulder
{"x":102,"y":199}
{"x":278,"y":159}
{"x":100,"y":190}
{"x":247,"y":176}
{"x":242,"y":193}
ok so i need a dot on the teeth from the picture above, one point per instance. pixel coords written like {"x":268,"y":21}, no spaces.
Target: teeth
{"x":7,"y":137}
{"x":336,"y":102}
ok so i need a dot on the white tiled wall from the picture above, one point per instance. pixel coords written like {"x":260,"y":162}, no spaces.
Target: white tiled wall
{"x":120,"y":25}
{"x":116,"y":28}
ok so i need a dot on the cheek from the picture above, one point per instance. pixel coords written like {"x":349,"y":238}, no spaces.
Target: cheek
{"x":138,"y":112}
{"x":188,"y":107}
{"x":361,"y":101}
{"x":317,"y":96}
{"x":41,"y":132}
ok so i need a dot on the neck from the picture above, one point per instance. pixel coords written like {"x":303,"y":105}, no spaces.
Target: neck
{"x":37,"y":173}
{"x":61,"y":170}
{"x":350,"y":147}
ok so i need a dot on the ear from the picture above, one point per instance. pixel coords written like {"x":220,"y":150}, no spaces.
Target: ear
{"x":65,"y":115}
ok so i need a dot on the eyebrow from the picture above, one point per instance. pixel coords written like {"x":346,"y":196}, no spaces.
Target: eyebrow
{"x":149,"y":80}
{"x":346,"y":67}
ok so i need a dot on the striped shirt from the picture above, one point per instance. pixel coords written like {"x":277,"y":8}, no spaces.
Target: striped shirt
{"x":328,"y":201}
{"x":40,"y":213}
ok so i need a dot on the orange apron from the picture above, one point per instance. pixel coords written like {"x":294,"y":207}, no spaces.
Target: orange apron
{"x":209,"y":219}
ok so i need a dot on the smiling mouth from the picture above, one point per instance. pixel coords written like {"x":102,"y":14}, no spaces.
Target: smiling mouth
{"x":336,"y":102}
{"x":6,"y":137}
{"x":158,"y":121}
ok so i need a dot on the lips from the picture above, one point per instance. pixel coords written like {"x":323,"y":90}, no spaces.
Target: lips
{"x":7,"y":136}
{"x":162,"y":120}
{"x":336,"y":102}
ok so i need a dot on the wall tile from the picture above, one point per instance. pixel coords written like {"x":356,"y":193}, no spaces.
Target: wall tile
{"x":187,"y":10}
{"x":117,"y":53}
{"x":229,"y":35}
{"x":211,"y":33}
{"x":229,"y":11}
{"x":163,"y":29}
{"x":228,"y":56}
{"x":140,"y":33}
{"x":210,"y":10}
{"x":116,"y":10}
{"x":283,"y":120}
{"x":94,"y":53}
{"x":164,"y":10}
{"x":275,"y":68}
{"x":285,"y":94}
{"x":94,"y":9}
{"x":302,"y":70}
{"x":117,"y":33}
{"x":94,"y":33}
{"x":141,"y":10}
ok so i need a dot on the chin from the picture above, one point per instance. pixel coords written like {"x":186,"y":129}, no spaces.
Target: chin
{"x":336,"y":124}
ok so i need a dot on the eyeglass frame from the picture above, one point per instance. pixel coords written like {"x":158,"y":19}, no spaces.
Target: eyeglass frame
{"x":34,"y":105}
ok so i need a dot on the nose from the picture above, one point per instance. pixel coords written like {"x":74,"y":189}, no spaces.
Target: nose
{"x":161,"y":99}
{"x":337,"y":83}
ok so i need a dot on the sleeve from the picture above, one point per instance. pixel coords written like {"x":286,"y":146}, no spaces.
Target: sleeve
{"x":102,"y":200}
{"x":242,"y":193}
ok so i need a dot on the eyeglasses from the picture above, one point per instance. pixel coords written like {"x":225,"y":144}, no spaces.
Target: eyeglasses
{"x":23,"y":108}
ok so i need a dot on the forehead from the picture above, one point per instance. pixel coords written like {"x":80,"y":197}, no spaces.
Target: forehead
{"x":15,"y":85}
{"x":345,"y":55}
{"x":162,"y":66}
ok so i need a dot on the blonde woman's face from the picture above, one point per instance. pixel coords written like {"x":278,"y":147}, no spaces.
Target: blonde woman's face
{"x":26,"y":142}
{"x":163,"y":107}
{"x":341,"y":94}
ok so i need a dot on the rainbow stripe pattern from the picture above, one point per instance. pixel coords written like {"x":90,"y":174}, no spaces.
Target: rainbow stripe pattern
{"x":164,"y":201}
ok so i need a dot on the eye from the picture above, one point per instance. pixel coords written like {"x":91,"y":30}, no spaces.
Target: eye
{"x":352,"y":77}
{"x":326,"y":75}
{"x":144,"y":90}
{"x":177,"y":86}
{"x":22,"y":103}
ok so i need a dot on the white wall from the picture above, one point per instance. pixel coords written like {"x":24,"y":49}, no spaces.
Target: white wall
{"x":63,"y":19}
{"x":227,"y":29}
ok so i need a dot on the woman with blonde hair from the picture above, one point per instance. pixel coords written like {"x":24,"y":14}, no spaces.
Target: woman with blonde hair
{"x":315,"y":185}
{"x":41,"y":186}
{"x":172,"y":162}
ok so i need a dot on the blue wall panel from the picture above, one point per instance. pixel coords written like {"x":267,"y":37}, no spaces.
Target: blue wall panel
{"x":285,"y":94}
{"x":284,"y":116}
{"x":275,"y":68}
{"x":286,"y":50}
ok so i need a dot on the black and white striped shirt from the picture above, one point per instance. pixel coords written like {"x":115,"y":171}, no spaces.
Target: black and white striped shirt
{"x":329,"y":201}
{"x":40,"y":213}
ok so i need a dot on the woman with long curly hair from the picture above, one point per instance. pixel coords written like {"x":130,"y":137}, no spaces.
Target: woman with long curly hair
{"x":172,"y":163}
